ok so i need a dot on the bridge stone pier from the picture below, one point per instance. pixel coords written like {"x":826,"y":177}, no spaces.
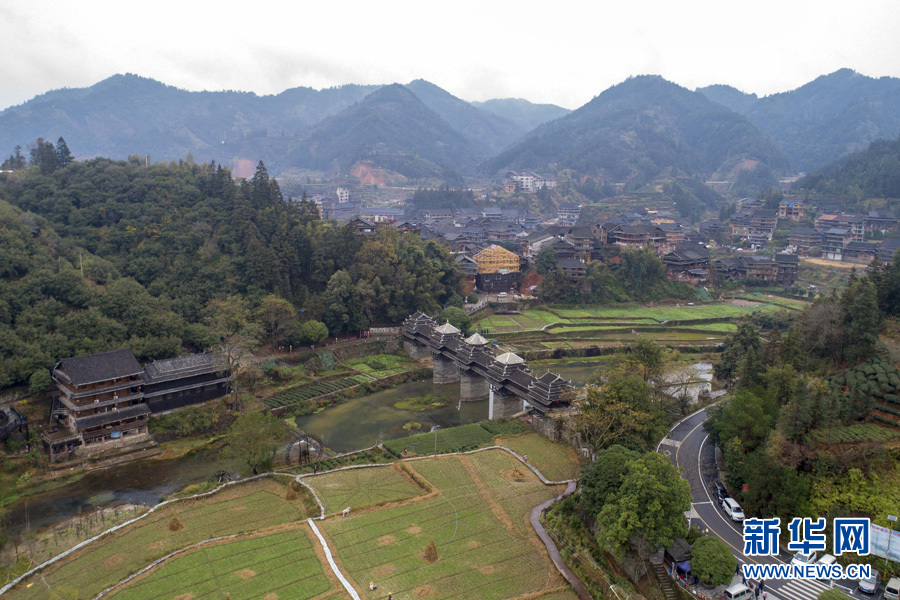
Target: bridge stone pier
{"x":505,"y":380}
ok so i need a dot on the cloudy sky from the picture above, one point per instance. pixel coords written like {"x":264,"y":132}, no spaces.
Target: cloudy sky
{"x":560,"y":52}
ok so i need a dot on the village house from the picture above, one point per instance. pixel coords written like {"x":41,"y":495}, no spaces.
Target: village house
{"x":804,"y":238}
{"x":794,"y":210}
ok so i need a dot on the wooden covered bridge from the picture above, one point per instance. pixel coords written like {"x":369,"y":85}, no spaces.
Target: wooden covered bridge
{"x":504,"y":379}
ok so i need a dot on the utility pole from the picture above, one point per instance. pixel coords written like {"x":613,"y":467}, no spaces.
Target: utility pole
{"x":887,"y":552}
{"x":81,"y":260}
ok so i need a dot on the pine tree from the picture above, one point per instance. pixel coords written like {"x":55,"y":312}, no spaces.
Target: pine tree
{"x":63,"y":156}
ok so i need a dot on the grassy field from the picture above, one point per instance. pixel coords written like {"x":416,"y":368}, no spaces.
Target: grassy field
{"x":575,"y":320}
{"x":361,"y":487}
{"x":381,"y":365}
{"x":474,"y":508}
{"x":278,"y":566}
{"x":238,"y":509}
{"x":479,"y":528}
{"x":442,"y":441}
{"x":556,"y":461}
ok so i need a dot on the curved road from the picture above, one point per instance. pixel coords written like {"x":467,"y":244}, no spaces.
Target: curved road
{"x":688,"y":447}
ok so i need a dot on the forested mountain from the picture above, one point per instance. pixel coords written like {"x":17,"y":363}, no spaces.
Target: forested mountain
{"x":394,"y":130}
{"x":636,"y":129}
{"x":825,"y":119}
{"x":178,"y":257}
{"x":872,"y":173}
{"x":730,"y":97}
{"x":488,"y":131}
{"x":525,"y":114}
{"x":127,"y":114}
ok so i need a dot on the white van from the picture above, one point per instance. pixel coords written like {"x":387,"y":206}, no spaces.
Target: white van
{"x":733,"y":509}
{"x":892,"y":589}
{"x":738,"y":591}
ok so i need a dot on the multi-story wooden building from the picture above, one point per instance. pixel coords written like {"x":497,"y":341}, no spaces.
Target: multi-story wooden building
{"x":684,"y":258}
{"x":103,"y":400}
{"x":100,"y":399}
{"x":177,"y":382}
{"x":761,"y":268}
{"x":795,"y":210}
{"x":804,"y":238}
{"x":788,"y":269}
{"x":495,"y":259}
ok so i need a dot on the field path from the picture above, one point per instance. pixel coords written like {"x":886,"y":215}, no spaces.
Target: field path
{"x":535,"y":520}
{"x":331,"y":563}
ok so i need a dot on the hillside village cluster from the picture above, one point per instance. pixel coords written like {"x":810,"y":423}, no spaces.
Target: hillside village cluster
{"x":493,"y":245}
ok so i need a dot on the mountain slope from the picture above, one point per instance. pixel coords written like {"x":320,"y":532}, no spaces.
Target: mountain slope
{"x":486,"y":130}
{"x":522,"y":112}
{"x":729,"y":97}
{"x":872,"y":173}
{"x":393,"y":129}
{"x":829,"y":117}
{"x":127,"y":114}
{"x":636,"y":129}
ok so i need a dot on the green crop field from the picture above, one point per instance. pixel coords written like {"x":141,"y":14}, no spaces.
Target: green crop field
{"x":861,"y":432}
{"x":532,"y":319}
{"x":477,"y":525}
{"x":311,"y":391}
{"x":282,"y":565}
{"x":445,"y":440}
{"x":237,"y":509}
{"x":556,"y":461}
{"x":476,"y":515}
{"x":381,"y":365}
{"x":361,"y":487}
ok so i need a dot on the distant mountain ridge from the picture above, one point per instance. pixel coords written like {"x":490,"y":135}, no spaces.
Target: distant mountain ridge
{"x":827,"y":118}
{"x":128,"y":114}
{"x":393,"y":129}
{"x":637,"y":129}
{"x":522,"y":112}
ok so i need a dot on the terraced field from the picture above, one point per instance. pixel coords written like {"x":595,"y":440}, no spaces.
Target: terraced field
{"x":238,"y":509}
{"x":478,"y":526}
{"x":278,"y":566}
{"x":311,"y":391}
{"x":251,"y":540}
{"x":361,"y":487}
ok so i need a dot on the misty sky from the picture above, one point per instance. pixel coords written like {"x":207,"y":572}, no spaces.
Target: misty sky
{"x":559,"y":52}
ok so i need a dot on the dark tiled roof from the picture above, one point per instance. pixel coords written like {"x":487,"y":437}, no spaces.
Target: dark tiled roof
{"x":183,"y":366}
{"x":787,"y":259}
{"x":861,"y":247}
{"x":82,"y":370}
{"x":802,"y":231}
{"x":581,"y":232}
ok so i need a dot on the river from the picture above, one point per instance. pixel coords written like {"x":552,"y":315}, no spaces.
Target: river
{"x":354,"y":424}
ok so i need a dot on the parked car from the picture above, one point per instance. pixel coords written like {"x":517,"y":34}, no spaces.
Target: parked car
{"x":733,"y":509}
{"x":870,"y":584}
{"x":827,"y":560}
{"x":721,"y":492}
{"x":892,"y":589}
{"x":803,"y":558}
{"x":738,"y":591}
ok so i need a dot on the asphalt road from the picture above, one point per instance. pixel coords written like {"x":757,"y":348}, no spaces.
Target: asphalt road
{"x":688,"y":447}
